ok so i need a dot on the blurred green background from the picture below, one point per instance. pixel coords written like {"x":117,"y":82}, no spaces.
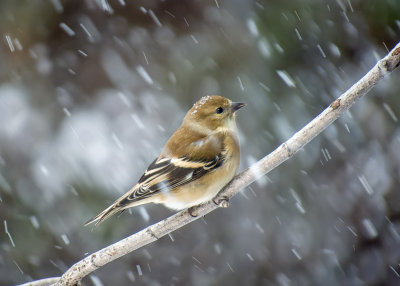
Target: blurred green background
{"x":91,"y":90}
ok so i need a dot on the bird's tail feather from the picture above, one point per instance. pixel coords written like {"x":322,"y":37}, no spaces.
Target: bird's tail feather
{"x":104,"y":215}
{"x":118,"y":206}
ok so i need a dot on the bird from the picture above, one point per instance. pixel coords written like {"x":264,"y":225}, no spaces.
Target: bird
{"x":198,"y":160}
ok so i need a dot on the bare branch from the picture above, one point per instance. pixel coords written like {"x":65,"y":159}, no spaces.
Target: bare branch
{"x":42,"y":282}
{"x":82,"y":268}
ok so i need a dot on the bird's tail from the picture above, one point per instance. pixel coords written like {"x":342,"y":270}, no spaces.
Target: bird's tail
{"x":104,"y":215}
{"x":124,"y":202}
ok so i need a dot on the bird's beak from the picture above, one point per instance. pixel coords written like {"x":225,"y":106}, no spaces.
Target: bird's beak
{"x":237,"y":105}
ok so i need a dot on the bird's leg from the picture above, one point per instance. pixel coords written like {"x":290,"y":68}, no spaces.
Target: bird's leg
{"x":222,"y":202}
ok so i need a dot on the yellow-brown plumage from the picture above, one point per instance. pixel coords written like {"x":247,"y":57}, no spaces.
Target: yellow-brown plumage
{"x":199,"y":159}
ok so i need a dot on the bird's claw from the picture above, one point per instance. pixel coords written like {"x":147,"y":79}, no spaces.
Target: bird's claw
{"x":222,"y":202}
{"x":192,"y":211}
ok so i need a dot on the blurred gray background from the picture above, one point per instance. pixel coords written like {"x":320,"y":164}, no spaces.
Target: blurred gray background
{"x":91,"y":90}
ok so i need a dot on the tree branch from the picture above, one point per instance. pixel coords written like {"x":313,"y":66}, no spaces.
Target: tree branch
{"x":286,"y":150}
{"x":42,"y":282}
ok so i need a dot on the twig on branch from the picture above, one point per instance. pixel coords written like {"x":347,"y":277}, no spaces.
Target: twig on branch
{"x":94,"y":261}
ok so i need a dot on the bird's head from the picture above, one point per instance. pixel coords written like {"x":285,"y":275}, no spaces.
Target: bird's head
{"x":213,"y":112}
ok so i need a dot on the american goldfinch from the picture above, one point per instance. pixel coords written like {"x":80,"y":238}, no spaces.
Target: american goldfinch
{"x":199,"y":159}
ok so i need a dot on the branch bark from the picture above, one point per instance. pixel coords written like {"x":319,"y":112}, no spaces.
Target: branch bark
{"x":42,"y":282}
{"x":286,"y":150}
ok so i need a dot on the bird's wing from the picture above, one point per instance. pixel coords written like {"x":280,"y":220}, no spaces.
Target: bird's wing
{"x":163,"y":175}
{"x":194,"y":156}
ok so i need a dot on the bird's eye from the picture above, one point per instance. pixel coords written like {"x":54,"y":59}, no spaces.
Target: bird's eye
{"x":219,"y":110}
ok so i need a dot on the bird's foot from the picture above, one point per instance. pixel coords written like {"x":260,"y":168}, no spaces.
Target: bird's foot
{"x":222,"y":202}
{"x":193,"y":211}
